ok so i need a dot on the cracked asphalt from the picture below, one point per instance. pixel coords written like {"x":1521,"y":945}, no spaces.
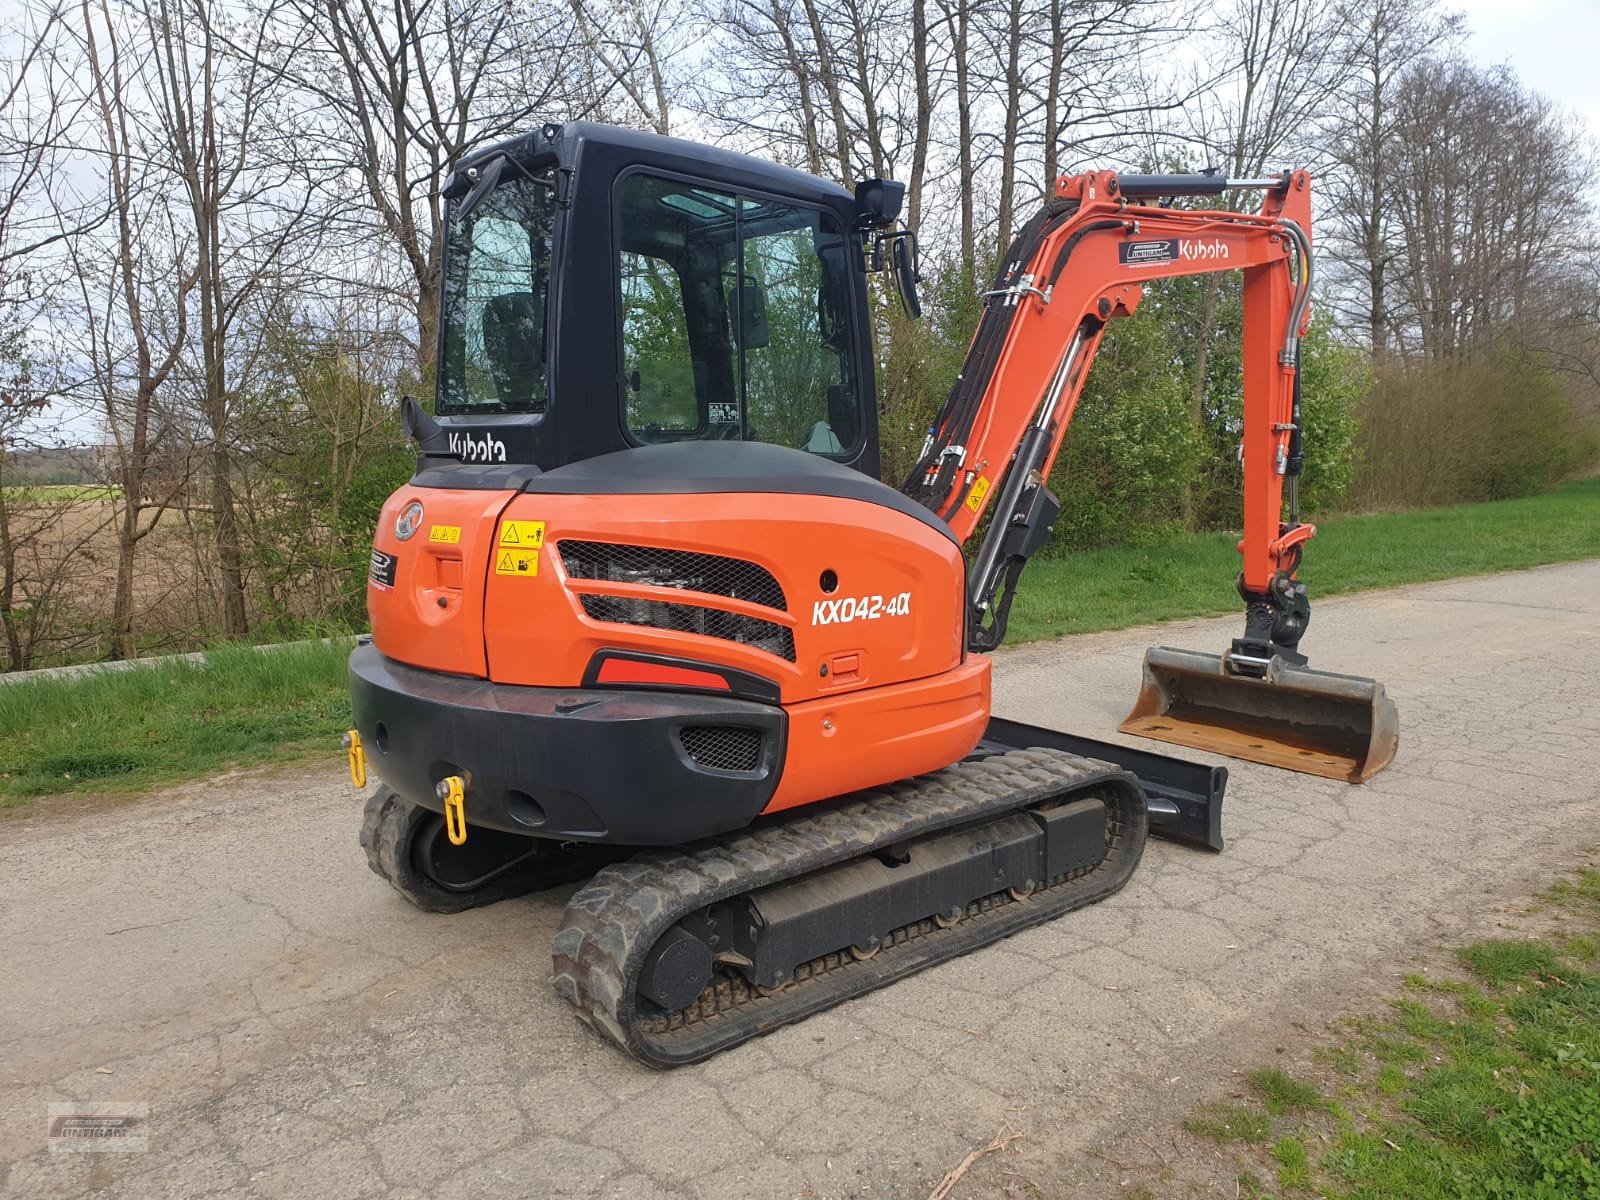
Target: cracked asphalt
{"x":222,"y":954}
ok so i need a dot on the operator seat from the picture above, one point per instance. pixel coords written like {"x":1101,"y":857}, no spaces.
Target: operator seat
{"x":513,"y":342}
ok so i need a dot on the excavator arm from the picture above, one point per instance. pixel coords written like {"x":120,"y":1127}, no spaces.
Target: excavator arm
{"x":1081,"y":262}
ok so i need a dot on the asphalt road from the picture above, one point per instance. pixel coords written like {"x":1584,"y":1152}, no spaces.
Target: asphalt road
{"x":223,"y":955}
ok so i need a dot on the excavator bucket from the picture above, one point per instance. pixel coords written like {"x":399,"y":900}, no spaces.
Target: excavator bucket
{"x":1338,"y":726}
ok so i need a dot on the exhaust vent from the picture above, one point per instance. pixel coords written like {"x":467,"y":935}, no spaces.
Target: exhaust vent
{"x":722,"y":747}
{"x":691,"y":618}
{"x":615,"y":562}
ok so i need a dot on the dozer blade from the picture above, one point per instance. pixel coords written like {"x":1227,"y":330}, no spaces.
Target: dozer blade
{"x":1338,"y":726}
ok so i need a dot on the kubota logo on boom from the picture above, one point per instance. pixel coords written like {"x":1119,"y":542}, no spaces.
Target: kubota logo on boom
{"x":1215,"y":250}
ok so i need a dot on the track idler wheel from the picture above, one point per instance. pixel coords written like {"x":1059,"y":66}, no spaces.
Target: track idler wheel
{"x":676,"y":970}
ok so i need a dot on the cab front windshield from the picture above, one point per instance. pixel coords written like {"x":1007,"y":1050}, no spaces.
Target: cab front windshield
{"x":497,"y":276}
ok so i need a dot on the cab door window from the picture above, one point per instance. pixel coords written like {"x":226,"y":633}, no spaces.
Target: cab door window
{"x":734,"y":319}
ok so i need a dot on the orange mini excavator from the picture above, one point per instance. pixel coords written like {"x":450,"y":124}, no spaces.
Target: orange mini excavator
{"x":645,"y":610}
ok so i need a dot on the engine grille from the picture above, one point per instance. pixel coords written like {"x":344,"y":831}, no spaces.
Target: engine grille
{"x":722,"y":747}
{"x":616,"y":562}
{"x":691,"y":618}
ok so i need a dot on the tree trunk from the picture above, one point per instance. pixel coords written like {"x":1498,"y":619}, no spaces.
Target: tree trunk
{"x":225,"y":530}
{"x":1008,"y":149}
{"x":924,"y":114}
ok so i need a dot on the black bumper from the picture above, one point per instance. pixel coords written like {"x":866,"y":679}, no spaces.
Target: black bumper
{"x":575,"y":764}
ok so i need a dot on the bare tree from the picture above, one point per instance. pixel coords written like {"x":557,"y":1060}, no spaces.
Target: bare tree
{"x":1285,"y":65}
{"x":134,"y":289}
{"x":635,"y":45}
{"x":1484,"y":163}
{"x":396,"y":92}
{"x":1383,"y":39}
{"x":210,"y":89}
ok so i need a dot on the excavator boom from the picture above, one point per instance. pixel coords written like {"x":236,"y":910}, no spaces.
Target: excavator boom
{"x":1080,"y":263}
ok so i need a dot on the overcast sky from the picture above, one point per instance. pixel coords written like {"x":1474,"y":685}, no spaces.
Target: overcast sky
{"x":1553,"y":45}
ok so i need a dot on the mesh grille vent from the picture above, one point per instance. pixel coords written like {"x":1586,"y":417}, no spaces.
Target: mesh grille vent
{"x":690,"y":618}
{"x":618,"y":563}
{"x":722,"y":747}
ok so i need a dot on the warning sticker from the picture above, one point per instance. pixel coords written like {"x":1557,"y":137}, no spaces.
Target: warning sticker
{"x":527,"y":535}
{"x":449,"y":535}
{"x":516,"y":562}
{"x":980,"y":489}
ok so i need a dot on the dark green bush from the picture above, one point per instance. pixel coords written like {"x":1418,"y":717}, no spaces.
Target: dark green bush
{"x":1124,"y":473}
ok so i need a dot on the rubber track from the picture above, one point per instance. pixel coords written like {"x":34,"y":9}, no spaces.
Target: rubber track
{"x":612,"y":923}
{"x":389,"y":829}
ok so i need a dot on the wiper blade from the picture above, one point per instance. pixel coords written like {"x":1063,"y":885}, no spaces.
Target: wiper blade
{"x":486,"y":181}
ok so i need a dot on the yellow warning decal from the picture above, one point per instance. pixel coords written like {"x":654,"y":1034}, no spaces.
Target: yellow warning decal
{"x":516,"y":562}
{"x":448,"y":534}
{"x":526,"y":535}
{"x":980,"y":489}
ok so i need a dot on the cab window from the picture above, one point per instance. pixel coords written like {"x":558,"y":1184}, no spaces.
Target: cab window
{"x":734,"y":314}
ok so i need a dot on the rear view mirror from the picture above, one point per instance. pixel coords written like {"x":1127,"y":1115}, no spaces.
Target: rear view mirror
{"x":902,"y":267}
{"x":904,"y":259}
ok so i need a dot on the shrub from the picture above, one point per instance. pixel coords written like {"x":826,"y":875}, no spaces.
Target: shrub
{"x":1475,"y":427}
{"x":1124,"y":472}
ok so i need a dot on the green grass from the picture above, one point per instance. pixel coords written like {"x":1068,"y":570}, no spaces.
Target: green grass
{"x":1230,"y":1123}
{"x":1282,"y":1092}
{"x":1485,"y":1087}
{"x":1194,"y":576}
{"x":60,"y":493}
{"x":129,"y":730}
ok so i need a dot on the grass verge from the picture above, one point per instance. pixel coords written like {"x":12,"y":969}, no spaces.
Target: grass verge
{"x":1480,"y":1084}
{"x":125,"y":731}
{"x":128,"y":730}
{"x":60,"y":493}
{"x":1194,"y":576}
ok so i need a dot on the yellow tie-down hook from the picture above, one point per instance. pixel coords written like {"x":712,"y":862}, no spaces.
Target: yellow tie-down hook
{"x":452,"y":789}
{"x":358,"y":758}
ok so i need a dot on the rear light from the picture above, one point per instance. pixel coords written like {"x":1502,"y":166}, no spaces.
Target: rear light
{"x":629,"y":671}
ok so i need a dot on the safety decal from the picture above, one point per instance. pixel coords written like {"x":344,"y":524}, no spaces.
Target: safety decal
{"x":381,"y":569}
{"x":516,"y":562}
{"x":449,"y":535}
{"x":524,"y":535}
{"x":518,"y":552}
{"x":980,"y":489}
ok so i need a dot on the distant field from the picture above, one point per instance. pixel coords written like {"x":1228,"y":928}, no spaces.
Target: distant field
{"x":61,"y":493}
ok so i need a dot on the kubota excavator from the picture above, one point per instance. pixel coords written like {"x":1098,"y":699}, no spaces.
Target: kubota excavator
{"x":646,"y":611}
